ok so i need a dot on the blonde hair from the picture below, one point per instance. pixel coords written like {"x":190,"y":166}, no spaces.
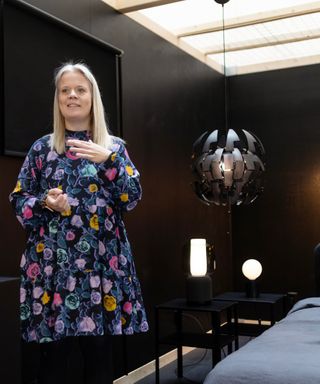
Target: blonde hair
{"x":98,"y":126}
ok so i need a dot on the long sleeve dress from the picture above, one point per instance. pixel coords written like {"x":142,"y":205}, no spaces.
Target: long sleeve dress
{"x":77,"y":272}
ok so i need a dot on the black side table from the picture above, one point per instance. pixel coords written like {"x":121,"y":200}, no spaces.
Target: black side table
{"x":270,"y":300}
{"x":215,"y":340}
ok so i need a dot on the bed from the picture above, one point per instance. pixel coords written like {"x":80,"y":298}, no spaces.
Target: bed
{"x":287,"y":353}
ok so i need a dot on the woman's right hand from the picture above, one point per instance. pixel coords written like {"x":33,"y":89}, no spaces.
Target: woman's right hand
{"x":57,"y":200}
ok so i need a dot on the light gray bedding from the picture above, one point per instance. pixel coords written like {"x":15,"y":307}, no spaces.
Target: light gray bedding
{"x":287,"y":353}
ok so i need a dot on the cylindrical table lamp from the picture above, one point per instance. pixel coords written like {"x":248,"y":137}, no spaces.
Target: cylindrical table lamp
{"x":199,"y":284}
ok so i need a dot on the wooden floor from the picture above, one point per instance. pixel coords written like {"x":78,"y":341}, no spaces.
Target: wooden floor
{"x":196,"y":366}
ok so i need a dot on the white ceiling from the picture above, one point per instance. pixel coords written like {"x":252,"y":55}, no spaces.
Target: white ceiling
{"x":259,"y":35}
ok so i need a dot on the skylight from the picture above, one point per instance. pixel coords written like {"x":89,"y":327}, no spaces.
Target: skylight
{"x":259,"y":35}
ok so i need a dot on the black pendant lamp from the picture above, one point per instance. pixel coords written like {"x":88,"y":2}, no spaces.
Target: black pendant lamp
{"x":228,"y":165}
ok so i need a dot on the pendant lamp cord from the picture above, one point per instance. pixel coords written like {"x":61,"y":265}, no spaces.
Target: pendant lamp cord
{"x":226,"y":104}
{"x":226,"y":95}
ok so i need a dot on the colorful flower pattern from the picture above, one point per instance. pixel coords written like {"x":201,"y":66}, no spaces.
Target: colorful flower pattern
{"x":78,"y":275}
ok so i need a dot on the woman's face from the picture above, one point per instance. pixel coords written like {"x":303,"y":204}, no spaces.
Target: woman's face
{"x":75,"y":98}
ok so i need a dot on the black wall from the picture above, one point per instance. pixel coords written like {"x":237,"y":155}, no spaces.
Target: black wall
{"x":282,"y":227}
{"x":169,"y":99}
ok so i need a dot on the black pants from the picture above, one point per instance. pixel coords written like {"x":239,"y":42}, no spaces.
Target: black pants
{"x":74,"y":360}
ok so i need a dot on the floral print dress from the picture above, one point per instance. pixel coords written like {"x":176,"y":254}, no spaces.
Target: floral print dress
{"x":77,"y":272}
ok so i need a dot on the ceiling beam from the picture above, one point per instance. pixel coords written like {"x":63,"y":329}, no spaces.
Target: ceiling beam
{"x":269,"y":42}
{"x":171,"y":38}
{"x":125,"y":6}
{"x":244,"y":21}
{"x":269,"y":66}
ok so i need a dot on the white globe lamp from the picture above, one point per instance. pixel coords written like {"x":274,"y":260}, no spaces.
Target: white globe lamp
{"x":252,"y":269}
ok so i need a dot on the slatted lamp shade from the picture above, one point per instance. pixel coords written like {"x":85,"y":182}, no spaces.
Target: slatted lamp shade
{"x":228,"y":168}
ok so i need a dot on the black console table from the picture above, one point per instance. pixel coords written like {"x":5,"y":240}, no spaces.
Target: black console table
{"x":9,"y":330}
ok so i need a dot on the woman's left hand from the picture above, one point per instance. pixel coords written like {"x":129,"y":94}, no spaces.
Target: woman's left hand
{"x":88,"y":150}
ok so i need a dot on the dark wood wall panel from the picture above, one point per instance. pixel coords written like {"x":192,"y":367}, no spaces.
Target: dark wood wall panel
{"x":27,"y":30}
{"x":282,"y":227}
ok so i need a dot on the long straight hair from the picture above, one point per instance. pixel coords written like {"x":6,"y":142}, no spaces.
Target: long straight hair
{"x":98,"y":126}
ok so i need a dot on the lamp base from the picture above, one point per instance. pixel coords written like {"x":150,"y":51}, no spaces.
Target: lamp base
{"x":199,"y":290}
{"x":252,"y":290}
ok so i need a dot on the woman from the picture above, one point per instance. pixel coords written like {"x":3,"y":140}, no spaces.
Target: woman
{"x":78,"y":277}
